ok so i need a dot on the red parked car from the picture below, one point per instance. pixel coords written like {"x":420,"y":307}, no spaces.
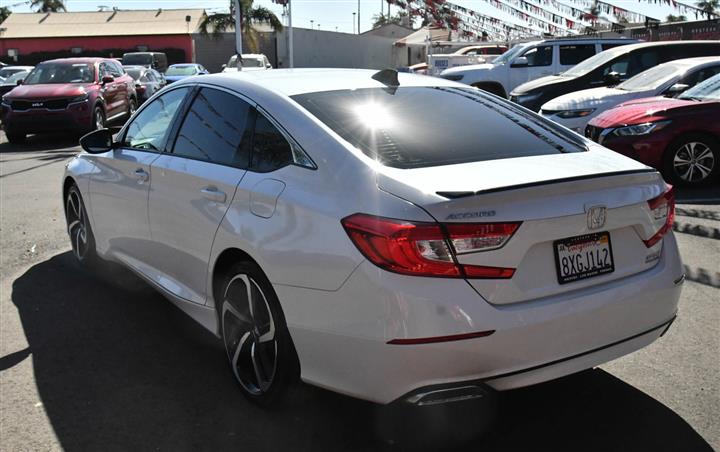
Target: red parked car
{"x":680,"y":136}
{"x":71,"y":94}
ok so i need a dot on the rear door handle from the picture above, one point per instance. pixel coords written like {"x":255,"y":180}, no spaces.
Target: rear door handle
{"x":213,"y":194}
{"x":141,"y":175}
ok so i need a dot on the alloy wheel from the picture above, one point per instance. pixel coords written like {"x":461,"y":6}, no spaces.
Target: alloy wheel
{"x":694,"y":161}
{"x":77,"y":225}
{"x":99,"y":119}
{"x":249,"y":334}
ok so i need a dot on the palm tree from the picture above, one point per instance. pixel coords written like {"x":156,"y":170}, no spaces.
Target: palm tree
{"x":4,"y":13}
{"x":48,"y":6}
{"x":709,"y":6}
{"x":216,"y":24}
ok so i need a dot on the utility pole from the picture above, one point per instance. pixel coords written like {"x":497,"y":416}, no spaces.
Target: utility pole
{"x":312,"y":26}
{"x":238,"y":34}
{"x":358,"y":16}
{"x":354,"y":23}
{"x":290,"y":34}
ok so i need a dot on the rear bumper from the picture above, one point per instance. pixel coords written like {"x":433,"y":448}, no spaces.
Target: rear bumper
{"x":341,"y":337}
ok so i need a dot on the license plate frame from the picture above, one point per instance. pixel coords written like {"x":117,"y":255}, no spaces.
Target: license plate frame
{"x":594,"y":241}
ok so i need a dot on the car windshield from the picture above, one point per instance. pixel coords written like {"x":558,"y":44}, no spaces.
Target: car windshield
{"x":416,"y":127}
{"x":510,"y":54}
{"x":594,"y":62}
{"x":140,"y":59}
{"x":707,"y":90}
{"x":61,"y":73}
{"x":652,"y":78}
{"x":181,"y":70}
{"x":13,"y":79}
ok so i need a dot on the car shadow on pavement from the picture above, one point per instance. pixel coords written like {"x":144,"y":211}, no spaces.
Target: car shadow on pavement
{"x":34,"y":143}
{"x":119,"y":368}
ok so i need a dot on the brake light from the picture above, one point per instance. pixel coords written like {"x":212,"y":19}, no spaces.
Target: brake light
{"x":140,"y":89}
{"x":663,"y":211}
{"x":423,"y":249}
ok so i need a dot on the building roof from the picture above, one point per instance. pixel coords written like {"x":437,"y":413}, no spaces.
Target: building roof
{"x":420,"y":36}
{"x":101,"y":23}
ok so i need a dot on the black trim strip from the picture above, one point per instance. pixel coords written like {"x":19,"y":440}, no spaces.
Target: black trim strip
{"x":454,"y":195}
{"x":557,"y":361}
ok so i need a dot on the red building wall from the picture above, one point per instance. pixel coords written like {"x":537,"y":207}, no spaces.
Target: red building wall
{"x":26,"y":46}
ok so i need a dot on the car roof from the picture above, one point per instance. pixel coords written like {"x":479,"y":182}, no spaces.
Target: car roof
{"x":291,"y":82}
{"x":17,"y":67}
{"x":88,"y":60}
{"x":688,"y":63}
{"x":184,"y":64}
{"x":641,"y":45}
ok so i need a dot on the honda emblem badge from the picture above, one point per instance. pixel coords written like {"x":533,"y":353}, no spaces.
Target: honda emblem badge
{"x":596,"y":217}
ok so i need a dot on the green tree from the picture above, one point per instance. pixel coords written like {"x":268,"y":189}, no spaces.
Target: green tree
{"x":216,"y":24}
{"x":4,"y":13}
{"x":671,"y":18}
{"x":48,"y":6}
{"x":382,"y":19}
{"x":709,"y":6}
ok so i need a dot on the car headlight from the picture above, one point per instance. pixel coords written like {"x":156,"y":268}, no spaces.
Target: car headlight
{"x":453,"y":77}
{"x":640,"y":129}
{"x":567,"y":114}
{"x":5,"y":100}
{"x":80,"y":98}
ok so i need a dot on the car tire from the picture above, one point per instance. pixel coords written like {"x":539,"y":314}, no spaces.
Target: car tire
{"x":82,"y":239}
{"x":98,"y":118}
{"x":258,"y":346}
{"x":16,"y":137}
{"x":692,"y":159}
{"x":132,"y":106}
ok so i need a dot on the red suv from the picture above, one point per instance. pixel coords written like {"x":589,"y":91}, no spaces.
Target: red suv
{"x":70,"y":94}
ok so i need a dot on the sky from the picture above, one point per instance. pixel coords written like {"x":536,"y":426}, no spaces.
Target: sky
{"x":337,"y":15}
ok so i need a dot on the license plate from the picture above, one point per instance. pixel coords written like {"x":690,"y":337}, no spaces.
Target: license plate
{"x":583,"y":257}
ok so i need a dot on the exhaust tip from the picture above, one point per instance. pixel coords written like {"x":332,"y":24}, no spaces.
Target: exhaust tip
{"x":447,"y":395}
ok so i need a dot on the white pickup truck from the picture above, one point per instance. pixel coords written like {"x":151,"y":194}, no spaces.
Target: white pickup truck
{"x":477,"y":54}
{"x":530,"y":60}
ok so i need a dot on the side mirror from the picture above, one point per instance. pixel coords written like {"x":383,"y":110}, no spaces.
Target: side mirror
{"x":20,"y":82}
{"x":223,"y":66}
{"x":611,"y":78}
{"x":268,"y":66}
{"x":108,"y":79}
{"x":97,"y":142}
{"x":676,"y":89}
{"x":520,"y":62}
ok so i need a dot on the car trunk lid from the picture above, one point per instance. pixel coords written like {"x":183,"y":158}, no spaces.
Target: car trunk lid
{"x":553,"y":197}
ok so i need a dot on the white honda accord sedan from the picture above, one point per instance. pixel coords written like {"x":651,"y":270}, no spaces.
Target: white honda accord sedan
{"x":393,"y":237}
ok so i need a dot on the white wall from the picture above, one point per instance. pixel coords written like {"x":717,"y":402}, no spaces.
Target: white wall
{"x":317,"y":48}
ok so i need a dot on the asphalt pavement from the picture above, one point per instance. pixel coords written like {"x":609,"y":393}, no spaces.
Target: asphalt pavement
{"x":92,"y":363}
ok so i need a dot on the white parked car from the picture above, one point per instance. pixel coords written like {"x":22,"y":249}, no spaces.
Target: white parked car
{"x":318,"y":222}
{"x":250,"y":62}
{"x":529,"y":61}
{"x":576,"y":109}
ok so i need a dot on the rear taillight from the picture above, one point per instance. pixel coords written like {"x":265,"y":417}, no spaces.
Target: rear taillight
{"x":662,"y":210}
{"x":140,"y":89}
{"x":424,"y":249}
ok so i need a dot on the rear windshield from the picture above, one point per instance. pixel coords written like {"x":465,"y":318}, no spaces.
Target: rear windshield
{"x":140,"y":59}
{"x":181,"y":70}
{"x":417,"y":127}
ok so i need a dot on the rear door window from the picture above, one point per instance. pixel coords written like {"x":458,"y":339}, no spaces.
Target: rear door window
{"x":575,"y":53}
{"x":416,"y":127}
{"x":271,"y":150}
{"x":216,"y":129}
